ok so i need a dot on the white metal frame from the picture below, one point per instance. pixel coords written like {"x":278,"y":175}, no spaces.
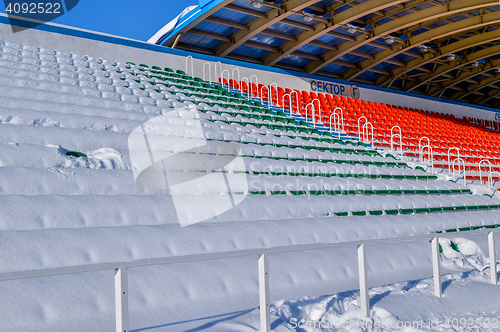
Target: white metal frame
{"x":449,"y":156}
{"x":337,"y":124}
{"x":216,"y":77}
{"x":359,"y":127}
{"x":480,"y":172}
{"x":233,"y":76}
{"x":222,"y":79}
{"x":341,"y":116}
{"x":271,"y":95}
{"x":393,"y":136}
{"x":209,"y":72}
{"x":458,"y":160}
{"x":366,"y":138}
{"x":192,"y":65}
{"x":430,"y":155}
{"x":261,"y":94}
{"x":250,"y":88}
{"x":490,"y":180}
{"x":420,"y":147}
{"x":121,"y":280}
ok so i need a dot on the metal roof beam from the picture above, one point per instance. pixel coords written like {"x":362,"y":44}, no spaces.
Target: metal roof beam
{"x":261,"y":24}
{"x":322,"y":28}
{"x":245,"y":10}
{"x":422,"y":38}
{"x":457,"y":47}
{"x":208,"y":35}
{"x":432,"y":13}
{"x":464,"y":75}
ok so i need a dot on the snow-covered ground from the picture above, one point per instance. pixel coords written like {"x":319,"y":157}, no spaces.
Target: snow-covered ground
{"x":59,"y":211}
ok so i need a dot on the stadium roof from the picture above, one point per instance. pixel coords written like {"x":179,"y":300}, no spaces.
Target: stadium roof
{"x":447,"y":49}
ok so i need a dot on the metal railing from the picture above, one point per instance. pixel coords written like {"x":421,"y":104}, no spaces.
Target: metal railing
{"x":121,"y":280}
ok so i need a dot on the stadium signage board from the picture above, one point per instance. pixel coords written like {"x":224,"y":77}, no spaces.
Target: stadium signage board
{"x":335,"y":89}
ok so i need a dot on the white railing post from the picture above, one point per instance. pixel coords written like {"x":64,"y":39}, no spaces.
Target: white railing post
{"x":341,"y":117}
{"x":187,"y":61}
{"x":493,"y":258}
{"x":436,"y":267}
{"x":368,"y":133}
{"x":248,"y":87}
{"x":458,"y":156}
{"x":121,"y":299}
{"x":265,"y":316}
{"x":359,"y":126}
{"x":222,"y":79}
{"x":490,"y":180}
{"x":480,"y":171}
{"x":271,"y":95}
{"x":209,"y":72}
{"x":458,"y":160}
{"x":363,"y":287}
{"x":420,"y":147}
{"x":396,"y":135}
{"x":256,"y":83}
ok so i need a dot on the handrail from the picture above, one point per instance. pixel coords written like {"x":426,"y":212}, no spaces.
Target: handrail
{"x":312,"y":105}
{"x":233,"y":76}
{"x":215,"y":71}
{"x":458,"y":160}
{"x":271,"y":95}
{"x":449,"y":159}
{"x":368,"y":134}
{"x":209,"y":72}
{"x":192,"y":70}
{"x":283,"y":102}
{"x":430,"y":156}
{"x":337,"y":123}
{"x":261,"y":94}
{"x":490,"y":180}
{"x":341,"y":116}
{"x":248,"y":86}
{"x":420,"y":147}
{"x":256,"y":83}
{"x":297,"y":96}
{"x":359,"y":127}
{"x":400,"y":135}
{"x":222,"y":78}
{"x":480,"y":173}
{"x":121,"y":280}
{"x":313,"y":111}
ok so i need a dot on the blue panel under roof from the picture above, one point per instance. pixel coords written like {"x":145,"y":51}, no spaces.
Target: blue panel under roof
{"x":233,"y":16}
{"x":386,"y":66}
{"x":294,"y":60}
{"x":286,"y":29}
{"x":251,"y":52}
{"x":330,"y":40}
{"x":298,"y":18}
{"x":335,"y":68}
{"x":203,"y":42}
{"x":354,"y":59}
{"x":369,"y":49}
{"x":314,"y":50}
{"x":419,"y":31}
{"x":219,"y":29}
{"x":268,"y":40}
{"x":369,"y":75}
{"x":403,"y":58}
{"x":246,"y":4}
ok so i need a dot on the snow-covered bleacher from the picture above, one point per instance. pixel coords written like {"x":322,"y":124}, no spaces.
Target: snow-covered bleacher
{"x":147,"y":135}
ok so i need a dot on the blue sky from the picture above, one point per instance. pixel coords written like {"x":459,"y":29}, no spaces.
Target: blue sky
{"x":136,"y":19}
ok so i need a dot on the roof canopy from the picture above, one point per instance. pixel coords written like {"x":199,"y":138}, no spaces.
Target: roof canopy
{"x":447,"y":49}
